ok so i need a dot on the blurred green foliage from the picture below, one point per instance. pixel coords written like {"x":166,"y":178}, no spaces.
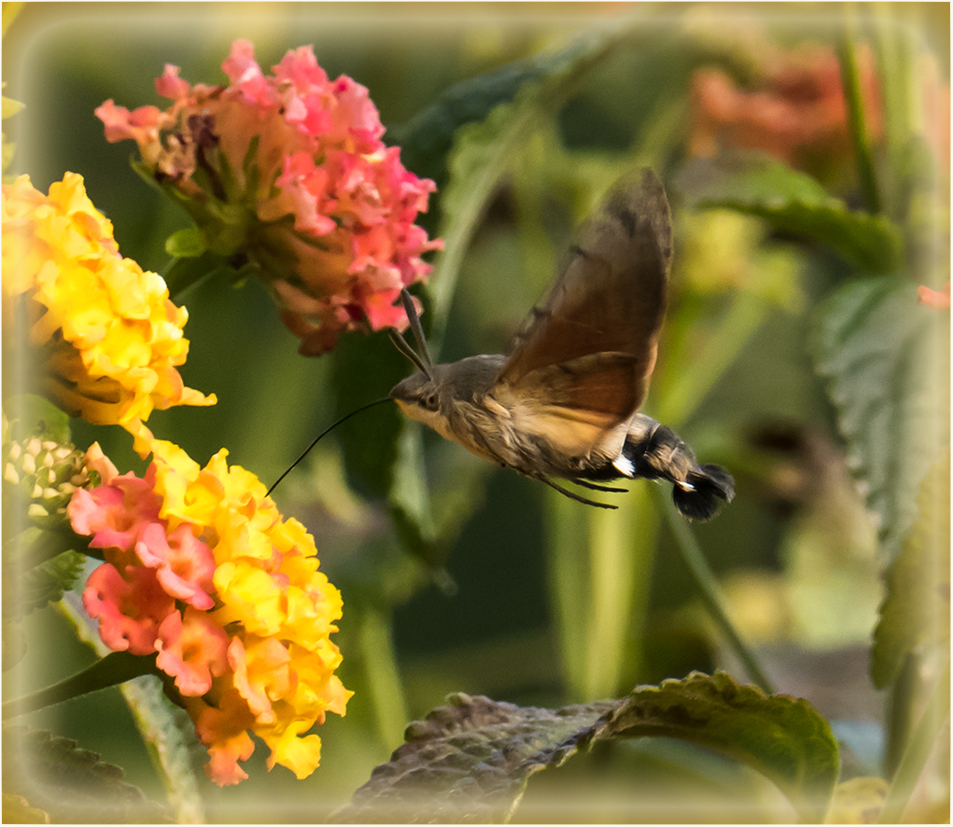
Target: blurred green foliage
{"x":460,"y":577}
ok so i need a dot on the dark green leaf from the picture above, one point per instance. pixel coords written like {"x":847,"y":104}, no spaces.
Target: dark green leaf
{"x":71,"y":784}
{"x":426,"y":139}
{"x":916,"y":609}
{"x":470,"y":761}
{"x":792,"y":202}
{"x":365,"y":368}
{"x":185,"y":243}
{"x":883,"y":356}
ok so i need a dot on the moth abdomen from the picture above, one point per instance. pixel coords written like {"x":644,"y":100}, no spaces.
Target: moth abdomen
{"x":655,"y":451}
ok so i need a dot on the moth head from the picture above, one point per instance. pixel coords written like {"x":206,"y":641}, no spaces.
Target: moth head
{"x":419,"y":397}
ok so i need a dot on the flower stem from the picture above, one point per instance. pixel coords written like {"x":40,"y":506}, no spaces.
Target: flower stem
{"x":918,"y":751}
{"x":380,"y":665}
{"x":116,"y":667}
{"x":704,"y":579}
{"x":855,"y":116}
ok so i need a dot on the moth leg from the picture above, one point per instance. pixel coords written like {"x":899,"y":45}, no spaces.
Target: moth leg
{"x":575,"y":497}
{"x":607,"y":488}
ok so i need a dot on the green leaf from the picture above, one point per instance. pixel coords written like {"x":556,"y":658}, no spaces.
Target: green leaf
{"x":483,"y":154}
{"x":916,"y":608}
{"x":427,"y":138}
{"x":71,"y":784}
{"x":169,"y":735}
{"x":471,"y":761}
{"x":45,"y":583}
{"x":883,"y":357}
{"x":409,"y":498}
{"x":30,"y":415}
{"x":365,"y":368}
{"x":793,"y":202}
{"x":166,"y":729}
{"x":186,"y":243}
{"x":782,"y":737}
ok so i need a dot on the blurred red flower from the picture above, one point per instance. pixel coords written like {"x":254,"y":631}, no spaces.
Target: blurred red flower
{"x":795,"y":110}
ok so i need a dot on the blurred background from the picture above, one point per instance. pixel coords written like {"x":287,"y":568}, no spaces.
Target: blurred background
{"x":458,"y":576}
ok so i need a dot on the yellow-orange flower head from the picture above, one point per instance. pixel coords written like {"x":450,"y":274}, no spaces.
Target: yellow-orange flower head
{"x":202,"y":568}
{"x":107,"y":336}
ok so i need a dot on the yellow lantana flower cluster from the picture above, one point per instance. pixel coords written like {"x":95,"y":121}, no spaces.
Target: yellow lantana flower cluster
{"x":201,"y":568}
{"x":107,"y":336}
{"x":276,"y":606}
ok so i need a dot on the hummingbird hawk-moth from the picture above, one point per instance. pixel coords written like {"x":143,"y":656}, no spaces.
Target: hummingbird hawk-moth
{"x":564,"y":403}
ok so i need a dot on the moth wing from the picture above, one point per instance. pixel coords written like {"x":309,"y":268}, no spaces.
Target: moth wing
{"x":590,"y":348}
{"x":568,"y":405}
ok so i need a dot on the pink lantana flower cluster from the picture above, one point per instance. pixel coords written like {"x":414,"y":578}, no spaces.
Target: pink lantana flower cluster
{"x":201,"y":568}
{"x":289,"y":169}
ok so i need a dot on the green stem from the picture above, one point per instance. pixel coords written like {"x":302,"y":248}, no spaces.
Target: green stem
{"x":708,"y":591}
{"x":692,"y":384}
{"x":380,"y":664}
{"x":116,"y":667}
{"x":918,"y":751}
{"x":899,"y":712}
{"x":855,"y":116}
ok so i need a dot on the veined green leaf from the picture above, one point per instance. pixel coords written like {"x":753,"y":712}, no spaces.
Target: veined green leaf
{"x":791,"y":201}
{"x":471,"y":760}
{"x":46,"y":582}
{"x":70,"y":783}
{"x":782,"y":737}
{"x":882,"y":355}
{"x":916,"y":609}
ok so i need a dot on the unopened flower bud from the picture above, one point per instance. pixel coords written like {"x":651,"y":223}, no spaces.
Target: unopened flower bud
{"x":45,"y":473}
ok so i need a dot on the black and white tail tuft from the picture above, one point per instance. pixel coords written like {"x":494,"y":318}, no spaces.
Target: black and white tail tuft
{"x":657,"y":452}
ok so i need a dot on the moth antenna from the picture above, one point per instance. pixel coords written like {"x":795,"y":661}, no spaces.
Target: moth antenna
{"x":575,"y":497}
{"x":414,"y":320}
{"x":401,"y":344}
{"x":320,"y":436}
